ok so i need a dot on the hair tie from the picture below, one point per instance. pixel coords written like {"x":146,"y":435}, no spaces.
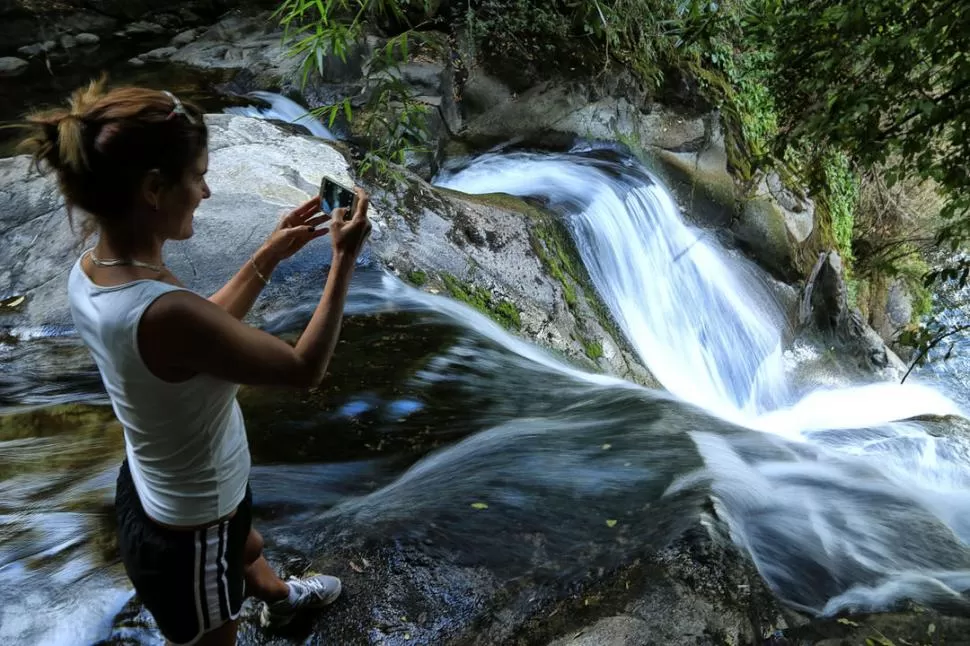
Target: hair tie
{"x":178,"y":108}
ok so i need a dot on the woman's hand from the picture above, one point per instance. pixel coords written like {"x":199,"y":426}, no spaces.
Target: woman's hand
{"x":295,"y":229}
{"x":349,"y":233}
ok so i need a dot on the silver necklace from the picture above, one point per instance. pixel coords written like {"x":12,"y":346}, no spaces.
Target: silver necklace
{"x":127,"y":262}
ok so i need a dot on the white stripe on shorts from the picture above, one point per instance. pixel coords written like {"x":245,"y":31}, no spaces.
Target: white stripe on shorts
{"x":213,"y":583}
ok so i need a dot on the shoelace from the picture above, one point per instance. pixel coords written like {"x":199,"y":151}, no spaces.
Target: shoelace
{"x":311,"y":586}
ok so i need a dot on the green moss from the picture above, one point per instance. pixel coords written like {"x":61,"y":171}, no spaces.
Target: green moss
{"x":502,"y":311}
{"x":417,"y":277}
{"x":857,"y":294}
{"x":507,"y":314}
{"x":556,"y":251}
{"x":594,"y":349}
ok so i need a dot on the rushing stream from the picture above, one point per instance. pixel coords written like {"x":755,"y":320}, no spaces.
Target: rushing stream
{"x":838,"y":501}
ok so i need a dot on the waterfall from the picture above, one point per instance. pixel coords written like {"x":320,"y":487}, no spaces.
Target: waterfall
{"x":283,"y":109}
{"x":710,"y":337}
{"x":701,"y":320}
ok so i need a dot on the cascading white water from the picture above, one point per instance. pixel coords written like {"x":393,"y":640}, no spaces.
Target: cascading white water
{"x":701,"y":320}
{"x":283,"y":109}
{"x":709,"y":337}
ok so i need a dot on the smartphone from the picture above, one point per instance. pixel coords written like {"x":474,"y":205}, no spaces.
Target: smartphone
{"x":336,"y":196}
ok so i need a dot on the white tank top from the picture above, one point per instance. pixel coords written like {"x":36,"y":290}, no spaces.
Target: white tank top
{"x":186,"y":441}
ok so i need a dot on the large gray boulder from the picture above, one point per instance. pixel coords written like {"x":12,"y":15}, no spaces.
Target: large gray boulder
{"x":494,"y":252}
{"x":573,"y":110}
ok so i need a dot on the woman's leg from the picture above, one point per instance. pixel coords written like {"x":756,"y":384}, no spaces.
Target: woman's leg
{"x":261,"y":581}
{"x":283,"y":600}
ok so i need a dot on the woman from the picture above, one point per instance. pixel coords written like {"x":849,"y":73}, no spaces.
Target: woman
{"x":135,"y":160}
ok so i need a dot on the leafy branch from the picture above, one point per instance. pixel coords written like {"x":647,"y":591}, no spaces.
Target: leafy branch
{"x":393,"y":122}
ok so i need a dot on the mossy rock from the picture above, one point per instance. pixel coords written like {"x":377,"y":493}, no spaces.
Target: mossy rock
{"x":762,"y":231}
{"x":503,"y":311}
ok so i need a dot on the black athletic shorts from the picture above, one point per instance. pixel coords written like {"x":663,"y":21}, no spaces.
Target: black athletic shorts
{"x":191,"y":581}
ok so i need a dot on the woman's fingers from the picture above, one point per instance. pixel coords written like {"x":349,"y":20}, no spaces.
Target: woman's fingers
{"x":339,"y":214}
{"x":362,"y":203}
{"x":317,"y":220}
{"x":304,"y":211}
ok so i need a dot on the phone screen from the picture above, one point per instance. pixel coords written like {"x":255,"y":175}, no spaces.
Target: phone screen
{"x":334,"y":196}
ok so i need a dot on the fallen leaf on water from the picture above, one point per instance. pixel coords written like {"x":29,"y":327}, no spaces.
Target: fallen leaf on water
{"x":931,"y":629}
{"x":356,"y":568}
{"x":365,"y":562}
{"x":479,"y":505}
{"x":611,"y":523}
{"x":607,"y":447}
{"x":847,"y":622}
{"x":15,"y":302}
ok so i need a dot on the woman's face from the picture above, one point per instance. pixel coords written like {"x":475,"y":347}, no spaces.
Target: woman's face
{"x":178,"y":202}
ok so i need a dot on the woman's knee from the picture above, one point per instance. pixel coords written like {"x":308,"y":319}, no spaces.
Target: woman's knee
{"x":253,"y":548}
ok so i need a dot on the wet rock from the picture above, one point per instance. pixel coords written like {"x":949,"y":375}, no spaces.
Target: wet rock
{"x":700,"y":163}
{"x":12,"y":66}
{"x":773,"y":225}
{"x":68,"y":41}
{"x":160,"y":54}
{"x":86,"y":39}
{"x":140,"y":28}
{"x":136,"y":62}
{"x":37,"y":48}
{"x":188,"y":16}
{"x":184,"y":38}
{"x":919,"y":626}
{"x":825,"y":303}
{"x":90,"y":22}
{"x":529,"y":116}
{"x":482,"y":92}
{"x":556,"y":108}
{"x":825,"y":310}
{"x":898,"y":311}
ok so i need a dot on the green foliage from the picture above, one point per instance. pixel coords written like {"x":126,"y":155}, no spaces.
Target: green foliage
{"x":418,"y":277}
{"x":732,"y":67}
{"x":883,"y":81}
{"x":649,"y":37}
{"x":502,"y":311}
{"x":394,"y":123}
{"x":841,"y":194}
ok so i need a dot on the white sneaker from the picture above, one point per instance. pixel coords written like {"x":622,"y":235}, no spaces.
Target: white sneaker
{"x":312,"y":592}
